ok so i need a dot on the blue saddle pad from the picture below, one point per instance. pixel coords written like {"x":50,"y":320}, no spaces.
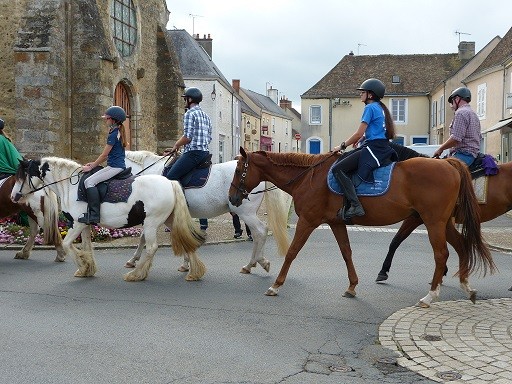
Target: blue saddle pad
{"x":197,"y":178}
{"x":380,"y":186}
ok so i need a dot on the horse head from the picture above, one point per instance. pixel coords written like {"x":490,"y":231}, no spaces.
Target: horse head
{"x":242,"y":185}
{"x":28,"y":170}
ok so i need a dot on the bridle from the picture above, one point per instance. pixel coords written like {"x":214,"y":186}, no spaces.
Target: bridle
{"x":40,"y":176}
{"x":242,"y":189}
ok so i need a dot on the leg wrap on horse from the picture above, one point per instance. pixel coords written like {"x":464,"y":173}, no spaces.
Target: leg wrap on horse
{"x":92,"y":216}
{"x":355,"y":209}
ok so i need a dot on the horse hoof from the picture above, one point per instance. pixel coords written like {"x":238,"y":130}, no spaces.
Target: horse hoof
{"x":245,"y":271}
{"x":21,"y":256}
{"x":182,"y":269}
{"x":129,"y":265}
{"x":381,"y":277}
{"x":421,"y":304}
{"x":191,"y":278}
{"x":59,"y":259}
{"x":131,"y":277}
{"x":510,"y":289}
{"x":266,"y":266}
{"x":271,"y":291}
{"x":78,"y":273}
{"x":472,"y":296}
{"x":349,"y":294}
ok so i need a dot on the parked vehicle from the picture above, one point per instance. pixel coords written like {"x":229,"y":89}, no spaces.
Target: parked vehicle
{"x":427,"y":149}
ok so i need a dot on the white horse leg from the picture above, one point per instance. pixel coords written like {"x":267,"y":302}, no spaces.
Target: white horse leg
{"x":84,"y":257}
{"x":185,"y":267}
{"x":138,"y":252}
{"x":259,"y":232}
{"x":141,"y":270}
{"x":25,"y":252}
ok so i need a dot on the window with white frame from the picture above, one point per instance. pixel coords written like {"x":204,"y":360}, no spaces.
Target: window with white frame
{"x":441,"y":110}
{"x":273,"y":125}
{"x":420,"y":139}
{"x":398,"y":110}
{"x":315,"y":114}
{"x":433,"y":115}
{"x":480,"y":100}
{"x":286,"y":127}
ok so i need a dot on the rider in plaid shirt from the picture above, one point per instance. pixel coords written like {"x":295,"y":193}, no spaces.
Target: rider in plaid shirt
{"x":197,"y":135}
{"x":465,"y":135}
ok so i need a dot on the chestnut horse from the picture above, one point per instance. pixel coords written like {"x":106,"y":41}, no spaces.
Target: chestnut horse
{"x":38,"y":208}
{"x":498,"y":202}
{"x":435,"y":189}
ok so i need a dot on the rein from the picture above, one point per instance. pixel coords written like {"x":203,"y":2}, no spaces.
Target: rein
{"x":244,"y":192}
{"x":19,"y":195}
{"x":153,"y":163}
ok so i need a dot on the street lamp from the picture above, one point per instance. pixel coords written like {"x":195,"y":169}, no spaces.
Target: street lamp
{"x":248,"y":125}
{"x":214,"y":94}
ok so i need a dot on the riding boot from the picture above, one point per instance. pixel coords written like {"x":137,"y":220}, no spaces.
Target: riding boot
{"x":93,"y":207}
{"x":355,"y":209}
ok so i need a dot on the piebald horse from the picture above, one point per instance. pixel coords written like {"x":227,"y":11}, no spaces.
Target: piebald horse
{"x":153,"y":201}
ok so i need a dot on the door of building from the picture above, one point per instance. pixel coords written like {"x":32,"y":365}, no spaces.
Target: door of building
{"x":122,"y":99}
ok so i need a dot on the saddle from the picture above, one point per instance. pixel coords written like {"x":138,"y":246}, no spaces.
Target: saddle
{"x":484,"y":165}
{"x":197,"y":177}
{"x":113,"y":190}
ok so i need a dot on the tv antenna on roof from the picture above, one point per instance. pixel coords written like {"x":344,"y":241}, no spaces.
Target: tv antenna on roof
{"x":193,"y":22}
{"x":360,"y":45}
{"x":461,"y":33}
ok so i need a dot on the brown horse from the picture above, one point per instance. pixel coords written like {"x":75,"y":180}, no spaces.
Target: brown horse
{"x":434,"y":189}
{"x":37,"y":208}
{"x":498,"y":202}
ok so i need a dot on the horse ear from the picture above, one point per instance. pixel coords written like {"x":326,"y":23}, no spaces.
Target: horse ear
{"x":44,"y":169}
{"x":242,"y":152}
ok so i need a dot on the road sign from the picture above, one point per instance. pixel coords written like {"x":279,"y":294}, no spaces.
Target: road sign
{"x":297,"y":136}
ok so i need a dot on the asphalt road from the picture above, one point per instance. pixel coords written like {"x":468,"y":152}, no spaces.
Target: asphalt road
{"x":56,"y":328}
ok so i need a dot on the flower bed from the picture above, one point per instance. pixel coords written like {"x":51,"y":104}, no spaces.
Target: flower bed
{"x":11,"y":232}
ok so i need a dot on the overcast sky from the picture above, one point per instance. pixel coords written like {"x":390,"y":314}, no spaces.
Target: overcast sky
{"x":292,"y":44}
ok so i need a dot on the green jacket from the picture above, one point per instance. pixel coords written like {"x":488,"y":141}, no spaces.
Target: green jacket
{"x":9,"y":156}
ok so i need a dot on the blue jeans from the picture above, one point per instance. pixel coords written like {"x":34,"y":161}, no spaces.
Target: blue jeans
{"x":186,"y":162}
{"x":464,"y":157}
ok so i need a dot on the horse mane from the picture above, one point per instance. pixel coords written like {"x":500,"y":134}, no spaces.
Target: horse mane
{"x":294,"y":159}
{"x":405,"y":153}
{"x":139,"y":157}
{"x":60,"y":164}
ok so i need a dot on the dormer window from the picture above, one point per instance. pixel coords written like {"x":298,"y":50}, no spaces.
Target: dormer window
{"x":395,"y":79}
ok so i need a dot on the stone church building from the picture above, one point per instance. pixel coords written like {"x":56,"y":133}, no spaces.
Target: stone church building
{"x":64,"y":62}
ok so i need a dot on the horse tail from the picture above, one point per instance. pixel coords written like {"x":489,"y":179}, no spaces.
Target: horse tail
{"x":278,"y":206}
{"x":467,"y":212}
{"x":186,"y":237}
{"x":50,"y":208}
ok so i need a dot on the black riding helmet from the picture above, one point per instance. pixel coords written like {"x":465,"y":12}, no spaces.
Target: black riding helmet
{"x":462,"y":92}
{"x":1,"y":124}
{"x":373,"y":85}
{"x":194,"y":93}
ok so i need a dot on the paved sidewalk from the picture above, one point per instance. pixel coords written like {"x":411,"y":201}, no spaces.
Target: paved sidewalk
{"x":454,"y":341}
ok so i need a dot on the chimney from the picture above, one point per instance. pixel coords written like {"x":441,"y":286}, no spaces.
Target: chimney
{"x":236,"y":85}
{"x":466,"y":50}
{"x":206,"y":43}
{"x":273,"y":94}
{"x":284,"y":103}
